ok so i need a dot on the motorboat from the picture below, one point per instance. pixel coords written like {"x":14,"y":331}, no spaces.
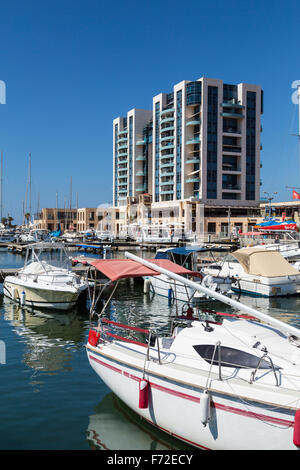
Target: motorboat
{"x":289,"y":250}
{"x":7,"y":235}
{"x":187,"y":257}
{"x":34,"y":236}
{"x":258,"y":272}
{"x":221,"y":382}
{"x":44,"y":284}
{"x":71,"y":237}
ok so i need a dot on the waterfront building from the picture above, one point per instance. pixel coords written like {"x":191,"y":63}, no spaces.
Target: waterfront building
{"x":200,"y":141}
{"x":131,"y":155}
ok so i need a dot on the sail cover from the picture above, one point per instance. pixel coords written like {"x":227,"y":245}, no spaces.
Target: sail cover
{"x":116,"y":269}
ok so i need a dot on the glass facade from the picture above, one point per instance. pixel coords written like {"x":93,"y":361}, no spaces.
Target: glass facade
{"x":178,"y":142}
{"x":157,"y":131}
{"x":116,"y":163}
{"x":212,"y":142}
{"x":130,"y":154}
{"x":193,"y":93}
{"x":250,"y":145}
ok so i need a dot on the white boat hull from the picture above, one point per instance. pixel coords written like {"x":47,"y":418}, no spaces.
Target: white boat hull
{"x":235,"y":423}
{"x":175,"y":290}
{"x":38,"y":297}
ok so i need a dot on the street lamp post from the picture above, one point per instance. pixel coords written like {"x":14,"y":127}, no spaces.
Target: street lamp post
{"x":270,"y":197}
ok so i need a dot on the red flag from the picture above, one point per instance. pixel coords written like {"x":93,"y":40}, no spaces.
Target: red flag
{"x":296,"y":195}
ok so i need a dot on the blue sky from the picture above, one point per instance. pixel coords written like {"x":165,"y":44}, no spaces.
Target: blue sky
{"x":71,"y":67}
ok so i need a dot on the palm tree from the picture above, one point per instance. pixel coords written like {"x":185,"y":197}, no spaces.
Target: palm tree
{"x":27,"y":217}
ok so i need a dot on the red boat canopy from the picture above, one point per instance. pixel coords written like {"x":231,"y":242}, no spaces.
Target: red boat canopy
{"x":116,"y":269}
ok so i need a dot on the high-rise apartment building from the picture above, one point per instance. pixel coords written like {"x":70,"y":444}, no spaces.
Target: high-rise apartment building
{"x":199,"y":142}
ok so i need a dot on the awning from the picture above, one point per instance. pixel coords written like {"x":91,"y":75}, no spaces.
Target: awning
{"x":185,"y":251}
{"x":116,"y":269}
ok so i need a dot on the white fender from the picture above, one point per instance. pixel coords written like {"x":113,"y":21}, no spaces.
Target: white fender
{"x":205,"y":407}
{"x":147,"y":284}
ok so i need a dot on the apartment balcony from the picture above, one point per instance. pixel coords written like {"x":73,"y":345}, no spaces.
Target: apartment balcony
{"x":140,"y":188}
{"x":168,"y":155}
{"x":232,"y":104}
{"x":166,"y":183}
{"x":232,"y":149}
{"x":193,"y":179}
{"x":167,"y":165}
{"x":166,"y":138}
{"x":122,"y":147}
{"x":193,"y":160}
{"x":232,"y":115}
{"x":140,"y":158}
{"x":122,"y":184}
{"x":167,"y":173}
{"x":230,"y":168}
{"x":140,"y":142}
{"x":167,"y":129}
{"x":123,"y":139}
{"x":123,"y":132}
{"x":193,"y":141}
{"x":122,"y":191}
{"x":193,"y":122}
{"x":122,"y":198}
{"x":122,"y":176}
{"x":166,"y":147}
{"x":171,"y":191}
{"x":140,"y":173}
{"x":231,"y":131}
{"x":167,"y":111}
{"x":231,"y":187}
{"x":167,"y":119}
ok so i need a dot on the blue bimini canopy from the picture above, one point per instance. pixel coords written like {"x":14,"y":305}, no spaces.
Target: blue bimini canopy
{"x":186,"y":250}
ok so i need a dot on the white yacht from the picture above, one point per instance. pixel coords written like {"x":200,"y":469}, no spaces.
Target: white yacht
{"x":42,"y":284}
{"x":188,"y":258}
{"x":258,"y":272}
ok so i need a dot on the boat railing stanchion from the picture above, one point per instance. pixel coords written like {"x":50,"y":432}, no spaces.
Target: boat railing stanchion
{"x":253,"y":373}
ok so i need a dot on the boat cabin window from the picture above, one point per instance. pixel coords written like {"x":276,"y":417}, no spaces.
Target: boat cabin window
{"x":230,"y":357}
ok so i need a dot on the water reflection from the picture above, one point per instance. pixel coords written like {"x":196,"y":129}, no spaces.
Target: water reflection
{"x":50,"y":338}
{"x":114,"y":426}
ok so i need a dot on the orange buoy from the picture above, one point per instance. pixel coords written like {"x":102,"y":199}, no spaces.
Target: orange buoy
{"x":296,"y":435}
{"x":93,"y":337}
{"x":143,"y":393}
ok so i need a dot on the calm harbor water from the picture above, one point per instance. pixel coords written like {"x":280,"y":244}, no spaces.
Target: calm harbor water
{"x":50,"y":396}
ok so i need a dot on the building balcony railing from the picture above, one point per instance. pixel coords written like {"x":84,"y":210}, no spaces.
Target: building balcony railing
{"x":193,"y":122}
{"x":195,"y":140}
{"x":171,"y":191}
{"x":232,"y":104}
{"x":167,"y":165}
{"x":232,"y":115}
{"x":167,"y":129}
{"x":166,"y":147}
{"x":123,"y":132}
{"x":166,"y":173}
{"x":231,"y":130}
{"x":140,"y":142}
{"x":167,"y":183}
{"x":167,"y":119}
{"x":122,"y":147}
{"x":193,"y":160}
{"x":232,"y":148}
{"x":140,"y":158}
{"x":168,"y":155}
{"x":231,"y":187}
{"x":166,"y":138}
{"x":193,"y":179}
{"x":167,"y":111}
{"x":122,"y":184}
{"x":229,"y":168}
{"x":123,"y":139}
{"x":140,"y":173}
{"x":141,"y":188}
{"x":122,"y":191}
